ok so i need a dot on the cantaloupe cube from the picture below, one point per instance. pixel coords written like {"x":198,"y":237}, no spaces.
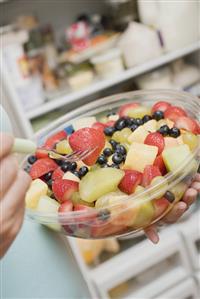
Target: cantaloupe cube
{"x":37,"y":189}
{"x":140,"y":155}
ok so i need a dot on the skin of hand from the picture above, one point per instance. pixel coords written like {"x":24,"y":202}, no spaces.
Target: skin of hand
{"x":13,"y":186}
{"x":178,"y":210}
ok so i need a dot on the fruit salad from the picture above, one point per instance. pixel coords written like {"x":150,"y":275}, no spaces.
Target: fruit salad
{"x":141,"y":163}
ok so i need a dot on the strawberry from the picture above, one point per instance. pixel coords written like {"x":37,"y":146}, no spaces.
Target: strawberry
{"x":64,"y":189}
{"x":52,"y":140}
{"x":130,"y":181}
{"x":160,"y":106}
{"x":57,"y":174}
{"x":123,"y":110}
{"x":89,"y":214}
{"x":99,"y":126}
{"x":155,"y":139}
{"x":160,"y":205}
{"x":65,"y":207}
{"x":150,"y":172}
{"x":160,"y":164}
{"x":41,"y":167}
{"x":88,"y":139}
{"x":174,"y":112}
{"x":41,"y":153}
{"x":187,"y":124}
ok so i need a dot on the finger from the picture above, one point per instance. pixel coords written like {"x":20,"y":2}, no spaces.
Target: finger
{"x":6,"y":142}
{"x":196,"y":186}
{"x":152,"y":235}
{"x":8,"y":173}
{"x":197,"y":177}
{"x":190,"y":196}
{"x":16,"y":194}
{"x":177,"y":211}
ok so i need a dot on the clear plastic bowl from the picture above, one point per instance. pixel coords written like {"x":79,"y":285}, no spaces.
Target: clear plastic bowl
{"x":134,"y":212}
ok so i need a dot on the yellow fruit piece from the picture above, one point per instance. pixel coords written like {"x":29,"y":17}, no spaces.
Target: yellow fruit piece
{"x":151,"y":126}
{"x":85,"y":122}
{"x":140,"y":155}
{"x":76,"y":199}
{"x":37,"y":189}
{"x":122,"y":136}
{"x":70,"y":176}
{"x":163,"y":122}
{"x":110,"y":199}
{"x":139,"y":135}
{"x":114,"y":117}
{"x":63,"y":147}
{"x":160,"y":190}
{"x":179,"y":191}
{"x":170,"y":142}
{"x":139,"y":112}
{"x":191,"y":140}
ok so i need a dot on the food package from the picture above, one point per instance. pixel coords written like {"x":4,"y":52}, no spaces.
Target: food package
{"x":139,"y":44}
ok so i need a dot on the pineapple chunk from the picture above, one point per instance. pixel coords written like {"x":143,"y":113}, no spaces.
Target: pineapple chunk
{"x":151,"y":126}
{"x":140,"y":155}
{"x":139,"y":135}
{"x":139,"y":112}
{"x":70,"y":176}
{"x":63,"y":147}
{"x":37,"y":189}
{"x":85,"y":122}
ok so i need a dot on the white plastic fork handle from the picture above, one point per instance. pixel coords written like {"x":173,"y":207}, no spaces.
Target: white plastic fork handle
{"x":24,"y":146}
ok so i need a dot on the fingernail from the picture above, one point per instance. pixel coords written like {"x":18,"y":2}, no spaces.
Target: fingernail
{"x":154,"y":238}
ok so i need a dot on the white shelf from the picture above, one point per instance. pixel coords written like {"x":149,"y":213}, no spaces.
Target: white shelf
{"x":101,"y":85}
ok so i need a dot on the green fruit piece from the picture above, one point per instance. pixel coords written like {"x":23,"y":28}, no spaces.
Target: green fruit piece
{"x":139,"y":112}
{"x":145,"y":208}
{"x":63,"y":147}
{"x":37,"y":189}
{"x":191,"y":140}
{"x":76,"y":199}
{"x":139,"y":135}
{"x":95,"y":167}
{"x":151,"y":126}
{"x":122,"y":136}
{"x":174,"y":157}
{"x":110,"y":199}
{"x":161,"y":189}
{"x":179,"y":191}
{"x":48,"y":205}
{"x":140,"y":155}
{"x":103,"y":119}
{"x":99,"y":182}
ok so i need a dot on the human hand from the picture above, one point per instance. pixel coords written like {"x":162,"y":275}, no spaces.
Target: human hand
{"x":178,"y":210}
{"x":13,"y":186}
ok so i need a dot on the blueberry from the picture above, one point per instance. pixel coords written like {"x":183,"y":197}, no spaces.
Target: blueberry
{"x":139,"y":121}
{"x":146,"y":118}
{"x":164,"y":130}
{"x":107,"y":152}
{"x":120,"y":149}
{"x":76,"y":173}
{"x":169,"y":196}
{"x":32,"y":159}
{"x":49,"y":183}
{"x":158,"y":115}
{"x":129,"y":121}
{"x":133,"y":127}
{"x":72,"y":166}
{"x":59,"y":162}
{"x":113,"y":143}
{"x":117,"y":158}
{"x":83,"y":170}
{"x":120,"y":124}
{"x":65,"y":166}
{"x":109,"y":131}
{"x":174,"y":132}
{"x":110,"y":113}
{"x":48,"y":176}
{"x":101,"y":160}
{"x":104,"y":214}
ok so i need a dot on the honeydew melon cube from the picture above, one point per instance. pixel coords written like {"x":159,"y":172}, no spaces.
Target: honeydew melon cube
{"x":151,"y":126}
{"x":140,"y":155}
{"x":139,"y":135}
{"x":37,"y":189}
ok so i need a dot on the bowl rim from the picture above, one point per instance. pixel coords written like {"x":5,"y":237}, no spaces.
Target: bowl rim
{"x":75,"y":215}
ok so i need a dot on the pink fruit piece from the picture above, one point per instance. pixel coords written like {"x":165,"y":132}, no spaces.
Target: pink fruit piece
{"x":110,"y":123}
{"x":130,"y":181}
{"x":160,"y":106}
{"x":88,"y":139}
{"x":41,"y":153}
{"x":64,"y":189}
{"x":174,"y":112}
{"x":187,"y":124}
{"x":52,"y":140}
{"x":150,"y":172}
{"x":99,"y":126}
{"x":123,"y":111}
{"x":160,"y":205}
{"x":160,"y":164}
{"x":65,"y":207}
{"x":41,"y":167}
{"x":155,"y":139}
{"x":57,"y":174}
